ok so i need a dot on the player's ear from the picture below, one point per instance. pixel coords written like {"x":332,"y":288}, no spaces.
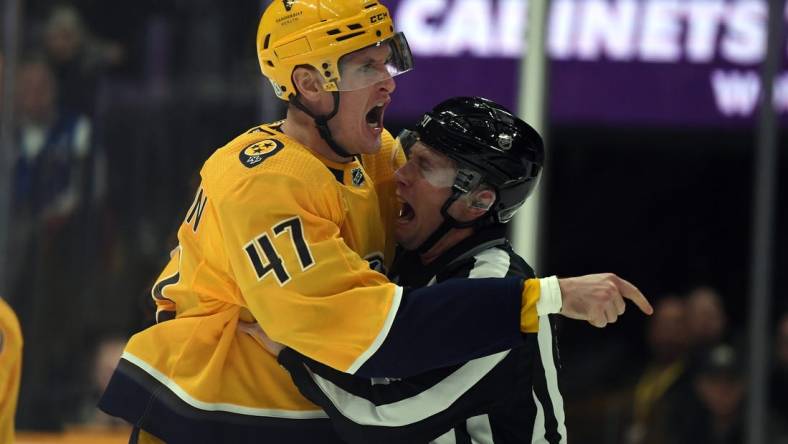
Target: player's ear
{"x":308,"y":82}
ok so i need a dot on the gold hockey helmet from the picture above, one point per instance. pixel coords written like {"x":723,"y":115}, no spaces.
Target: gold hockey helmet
{"x":319,"y":33}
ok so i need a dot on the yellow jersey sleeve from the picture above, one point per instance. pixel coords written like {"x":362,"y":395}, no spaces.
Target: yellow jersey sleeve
{"x":298,"y":277}
{"x":529,"y":318}
{"x":10,"y":370}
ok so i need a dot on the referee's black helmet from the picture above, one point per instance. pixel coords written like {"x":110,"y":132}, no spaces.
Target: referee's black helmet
{"x":490,"y":145}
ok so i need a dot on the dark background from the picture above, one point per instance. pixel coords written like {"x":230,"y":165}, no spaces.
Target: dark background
{"x":667,"y":208}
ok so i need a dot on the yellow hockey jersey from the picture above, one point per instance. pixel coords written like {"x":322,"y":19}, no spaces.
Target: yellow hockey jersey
{"x":279,"y":235}
{"x":10,"y":370}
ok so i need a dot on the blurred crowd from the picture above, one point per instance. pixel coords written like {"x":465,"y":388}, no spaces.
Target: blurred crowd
{"x":59,"y":189}
{"x":104,"y":147}
{"x":100,"y":182}
{"x":692,"y":387}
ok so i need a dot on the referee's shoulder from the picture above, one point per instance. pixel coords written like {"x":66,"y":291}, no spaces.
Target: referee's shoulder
{"x":518,"y":266}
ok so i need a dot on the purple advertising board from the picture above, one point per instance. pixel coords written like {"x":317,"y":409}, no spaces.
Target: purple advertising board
{"x":617,"y":62}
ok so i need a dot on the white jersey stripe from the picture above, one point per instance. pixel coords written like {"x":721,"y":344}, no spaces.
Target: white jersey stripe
{"x":414,"y":409}
{"x":545,"y":339}
{"x":220,"y":407}
{"x":447,"y":438}
{"x":491,"y":263}
{"x":539,"y":430}
{"x":384,"y":331}
{"x":480,"y":429}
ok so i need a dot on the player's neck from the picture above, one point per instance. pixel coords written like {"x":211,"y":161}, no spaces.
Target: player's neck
{"x":450,"y":239}
{"x":302,"y":128}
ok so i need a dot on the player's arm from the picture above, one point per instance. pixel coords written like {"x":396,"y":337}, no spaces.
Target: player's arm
{"x":311,"y":292}
{"x":415,"y":409}
{"x":453,"y":322}
{"x":418,"y":408}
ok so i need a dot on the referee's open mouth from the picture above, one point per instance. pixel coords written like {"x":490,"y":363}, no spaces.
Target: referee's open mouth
{"x":406,"y":213}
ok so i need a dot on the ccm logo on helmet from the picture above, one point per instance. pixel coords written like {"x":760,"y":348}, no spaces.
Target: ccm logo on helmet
{"x":378,"y":17}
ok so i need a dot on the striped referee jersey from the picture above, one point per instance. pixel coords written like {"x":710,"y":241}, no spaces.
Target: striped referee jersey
{"x":508,"y":397}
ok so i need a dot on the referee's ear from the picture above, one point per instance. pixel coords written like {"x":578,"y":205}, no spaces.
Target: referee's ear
{"x":477,"y":204}
{"x":483,"y":199}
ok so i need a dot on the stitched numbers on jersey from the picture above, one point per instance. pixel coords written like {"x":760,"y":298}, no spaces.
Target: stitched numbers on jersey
{"x":195,"y":212}
{"x":272,"y":257}
{"x":255,"y":154}
{"x":266,"y":259}
{"x":297,"y":237}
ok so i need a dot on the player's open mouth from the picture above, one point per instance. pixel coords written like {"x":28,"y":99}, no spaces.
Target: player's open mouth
{"x":374,"y":117}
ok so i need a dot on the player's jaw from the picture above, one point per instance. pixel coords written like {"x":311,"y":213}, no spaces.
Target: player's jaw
{"x":361,"y":119}
{"x":369,"y":122}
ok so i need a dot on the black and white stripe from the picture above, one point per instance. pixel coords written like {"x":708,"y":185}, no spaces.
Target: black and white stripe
{"x":549,"y":424}
{"x":485,"y":400}
{"x":549,"y":421}
{"x":411,"y":409}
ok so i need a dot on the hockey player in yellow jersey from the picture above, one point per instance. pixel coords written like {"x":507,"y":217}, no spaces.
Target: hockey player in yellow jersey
{"x":290,"y":228}
{"x":10,"y":370}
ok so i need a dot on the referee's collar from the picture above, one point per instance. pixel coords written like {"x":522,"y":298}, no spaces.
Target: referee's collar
{"x":408,"y":271}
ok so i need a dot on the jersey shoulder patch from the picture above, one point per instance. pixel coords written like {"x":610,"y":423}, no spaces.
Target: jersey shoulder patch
{"x":263,"y":157}
{"x":254,"y":154}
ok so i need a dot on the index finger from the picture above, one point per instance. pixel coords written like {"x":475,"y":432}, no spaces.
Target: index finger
{"x":631,"y":292}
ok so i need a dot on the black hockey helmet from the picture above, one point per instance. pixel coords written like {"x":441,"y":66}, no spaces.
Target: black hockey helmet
{"x":489,"y":144}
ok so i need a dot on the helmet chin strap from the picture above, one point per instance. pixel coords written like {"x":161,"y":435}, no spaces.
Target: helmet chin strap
{"x":321,"y":123}
{"x":450,"y":222}
{"x":464,"y":182}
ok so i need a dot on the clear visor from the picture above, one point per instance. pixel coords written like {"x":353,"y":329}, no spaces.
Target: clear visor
{"x":411,"y":156}
{"x":381,"y":61}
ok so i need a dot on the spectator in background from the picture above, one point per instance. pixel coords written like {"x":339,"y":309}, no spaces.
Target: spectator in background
{"x":53,"y":192}
{"x":78,"y":59}
{"x":52,"y":148}
{"x":706,"y":318}
{"x":707,"y":325}
{"x":663,"y":386}
{"x":714,"y":414}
